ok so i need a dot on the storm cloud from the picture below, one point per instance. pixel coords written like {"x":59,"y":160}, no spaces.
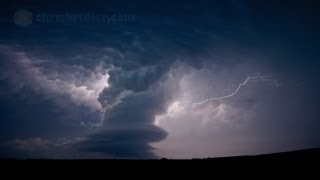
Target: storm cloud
{"x":124,"y":89}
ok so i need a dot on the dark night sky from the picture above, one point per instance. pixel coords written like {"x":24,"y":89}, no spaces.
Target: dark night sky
{"x":127,"y":87}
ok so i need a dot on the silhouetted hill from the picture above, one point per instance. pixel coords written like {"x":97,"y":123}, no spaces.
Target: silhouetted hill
{"x":307,"y":154}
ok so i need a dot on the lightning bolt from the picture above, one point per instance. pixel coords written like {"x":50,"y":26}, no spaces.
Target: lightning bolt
{"x":244,"y":83}
{"x":96,"y":125}
{"x":255,"y":78}
{"x":90,"y":125}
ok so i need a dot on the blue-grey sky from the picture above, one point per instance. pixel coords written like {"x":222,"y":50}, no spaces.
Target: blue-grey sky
{"x":111,"y":79}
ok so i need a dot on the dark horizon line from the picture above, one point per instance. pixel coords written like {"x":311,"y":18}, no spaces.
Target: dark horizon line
{"x":309,"y":153}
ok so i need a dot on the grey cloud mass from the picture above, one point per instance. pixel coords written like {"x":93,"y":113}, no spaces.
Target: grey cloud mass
{"x":122,"y":89}
{"x":81,"y":85}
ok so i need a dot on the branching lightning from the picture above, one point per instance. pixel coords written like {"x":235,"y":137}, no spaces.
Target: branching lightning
{"x":244,"y":83}
{"x":258,"y":77}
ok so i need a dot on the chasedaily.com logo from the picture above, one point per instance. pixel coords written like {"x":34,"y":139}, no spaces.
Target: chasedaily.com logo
{"x":24,"y":18}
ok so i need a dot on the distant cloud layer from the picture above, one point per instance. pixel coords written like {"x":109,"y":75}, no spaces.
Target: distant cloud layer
{"x":53,"y":79}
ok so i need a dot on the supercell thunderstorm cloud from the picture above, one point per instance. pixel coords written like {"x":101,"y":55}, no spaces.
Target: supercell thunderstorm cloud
{"x":140,"y":80}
